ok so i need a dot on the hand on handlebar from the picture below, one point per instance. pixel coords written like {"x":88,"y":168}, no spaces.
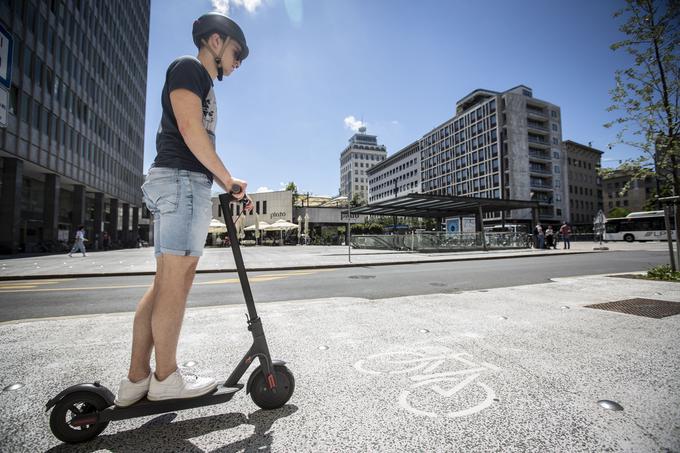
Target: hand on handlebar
{"x":237,"y":187}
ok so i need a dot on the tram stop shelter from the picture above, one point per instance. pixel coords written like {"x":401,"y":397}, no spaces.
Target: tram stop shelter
{"x":442,"y":206}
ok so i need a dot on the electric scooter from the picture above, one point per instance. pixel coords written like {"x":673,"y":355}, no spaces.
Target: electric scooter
{"x":83,"y":411}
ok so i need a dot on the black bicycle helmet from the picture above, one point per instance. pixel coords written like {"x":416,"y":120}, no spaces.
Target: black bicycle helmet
{"x":216,"y":22}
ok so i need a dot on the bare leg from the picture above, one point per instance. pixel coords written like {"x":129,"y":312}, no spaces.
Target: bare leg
{"x":172,"y":288}
{"x":142,"y":340}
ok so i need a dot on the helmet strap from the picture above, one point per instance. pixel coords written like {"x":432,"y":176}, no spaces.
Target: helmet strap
{"x":218,"y":58}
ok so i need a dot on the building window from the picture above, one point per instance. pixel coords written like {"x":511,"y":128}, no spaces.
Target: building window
{"x":24,"y":107}
{"x":28,"y":63}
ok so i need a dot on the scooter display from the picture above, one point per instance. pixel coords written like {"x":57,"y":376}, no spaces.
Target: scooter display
{"x":81,"y":412}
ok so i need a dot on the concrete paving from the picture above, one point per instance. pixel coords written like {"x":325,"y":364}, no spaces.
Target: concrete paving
{"x":141,"y":261}
{"x":506,"y":369}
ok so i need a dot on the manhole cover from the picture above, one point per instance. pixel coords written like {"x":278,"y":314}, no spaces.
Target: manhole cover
{"x":650,"y":308}
{"x":362,"y":277}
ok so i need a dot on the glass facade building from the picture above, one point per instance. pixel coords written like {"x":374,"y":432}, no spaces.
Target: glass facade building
{"x":73,"y":149}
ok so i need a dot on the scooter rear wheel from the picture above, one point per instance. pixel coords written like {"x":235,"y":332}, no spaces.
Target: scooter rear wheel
{"x":267,"y":399}
{"x":70,"y":406}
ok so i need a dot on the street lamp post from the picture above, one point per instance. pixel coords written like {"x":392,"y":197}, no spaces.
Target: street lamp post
{"x":349,"y":230}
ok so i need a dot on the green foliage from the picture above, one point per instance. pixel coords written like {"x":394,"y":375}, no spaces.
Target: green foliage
{"x":357,"y":200}
{"x":664,"y":273}
{"x":646,"y":94}
{"x":296,"y":196}
{"x":618,"y":212}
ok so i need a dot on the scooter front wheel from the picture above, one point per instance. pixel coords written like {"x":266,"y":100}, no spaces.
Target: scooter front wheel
{"x":70,"y":406}
{"x":268,"y":399}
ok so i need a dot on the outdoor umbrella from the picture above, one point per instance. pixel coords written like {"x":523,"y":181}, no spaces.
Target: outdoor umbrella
{"x":281,"y":225}
{"x":258,"y":226}
{"x":217,"y":227}
{"x":240,"y":227}
{"x":299,"y":223}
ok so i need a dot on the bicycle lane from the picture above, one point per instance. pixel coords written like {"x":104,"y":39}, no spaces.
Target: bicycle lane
{"x":505,"y":369}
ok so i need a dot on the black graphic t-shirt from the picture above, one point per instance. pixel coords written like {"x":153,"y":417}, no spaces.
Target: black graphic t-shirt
{"x":172,"y":152}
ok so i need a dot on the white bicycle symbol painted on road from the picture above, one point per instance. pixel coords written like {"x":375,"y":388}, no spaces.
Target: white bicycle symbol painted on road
{"x":429,"y":380}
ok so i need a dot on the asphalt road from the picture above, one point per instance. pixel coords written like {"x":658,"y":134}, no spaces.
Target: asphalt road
{"x":80,"y":296}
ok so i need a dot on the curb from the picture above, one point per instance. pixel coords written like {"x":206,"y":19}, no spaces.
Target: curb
{"x":290,"y":268}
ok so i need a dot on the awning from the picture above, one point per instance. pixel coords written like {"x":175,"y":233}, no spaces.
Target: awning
{"x":427,"y":205}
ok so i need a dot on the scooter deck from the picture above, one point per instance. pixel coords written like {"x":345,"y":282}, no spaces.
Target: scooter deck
{"x":145,"y":407}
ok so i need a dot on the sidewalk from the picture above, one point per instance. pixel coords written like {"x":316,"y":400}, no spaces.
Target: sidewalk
{"x":506,"y":369}
{"x":142,"y":261}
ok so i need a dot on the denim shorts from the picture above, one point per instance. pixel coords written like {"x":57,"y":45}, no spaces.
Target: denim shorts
{"x":182,"y":209}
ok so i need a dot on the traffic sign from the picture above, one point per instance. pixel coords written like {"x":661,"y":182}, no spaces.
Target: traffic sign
{"x":6,"y":48}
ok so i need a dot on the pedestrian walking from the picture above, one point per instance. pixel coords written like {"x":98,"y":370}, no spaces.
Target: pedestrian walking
{"x":79,"y":244}
{"x":565,"y":231}
{"x":106,"y":239}
{"x":177,"y":192}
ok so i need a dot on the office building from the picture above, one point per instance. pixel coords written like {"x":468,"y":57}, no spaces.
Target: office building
{"x":362,"y":153}
{"x":620,"y":190}
{"x":72,"y":152}
{"x":585,"y":185}
{"x":499,"y":145}
{"x":397,"y":175}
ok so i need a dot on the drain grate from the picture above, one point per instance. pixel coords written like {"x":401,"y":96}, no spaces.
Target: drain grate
{"x":650,"y":308}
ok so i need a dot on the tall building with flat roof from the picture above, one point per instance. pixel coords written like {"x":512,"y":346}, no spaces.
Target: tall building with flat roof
{"x":73,"y":149}
{"x":397,"y":175}
{"x":362,"y":153}
{"x":499,"y":145}
{"x":585,"y":185}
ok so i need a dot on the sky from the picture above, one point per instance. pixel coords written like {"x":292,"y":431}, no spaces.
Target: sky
{"x":318,"y":69}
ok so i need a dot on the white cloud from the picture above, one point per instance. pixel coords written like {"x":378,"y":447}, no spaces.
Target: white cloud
{"x":395,"y":122}
{"x":223,"y":6}
{"x":263,"y":189}
{"x":353,"y":123}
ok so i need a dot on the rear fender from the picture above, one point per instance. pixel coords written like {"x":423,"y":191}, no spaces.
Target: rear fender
{"x":95,"y":387}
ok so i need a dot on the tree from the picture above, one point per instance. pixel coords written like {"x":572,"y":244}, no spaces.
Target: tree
{"x":357,"y":200}
{"x":618,"y":212}
{"x":647,"y":93}
{"x":293,"y":188}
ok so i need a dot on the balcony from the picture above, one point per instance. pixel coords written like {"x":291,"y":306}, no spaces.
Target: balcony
{"x":536,"y":112}
{"x":537,"y":126}
{"x":539,"y":170}
{"x":541,"y":184}
{"x":538,"y":155}
{"x":542,"y":199}
{"x":538,"y":141}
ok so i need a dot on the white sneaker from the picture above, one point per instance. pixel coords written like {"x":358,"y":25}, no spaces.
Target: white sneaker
{"x":178,"y":386}
{"x":130,"y":392}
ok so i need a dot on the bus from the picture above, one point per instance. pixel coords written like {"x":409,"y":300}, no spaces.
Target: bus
{"x":638,"y":226}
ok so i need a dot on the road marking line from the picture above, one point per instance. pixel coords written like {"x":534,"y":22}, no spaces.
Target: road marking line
{"x":254,"y":279}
